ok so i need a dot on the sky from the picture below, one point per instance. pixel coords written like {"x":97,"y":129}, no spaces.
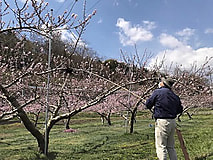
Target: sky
{"x":178,"y":31}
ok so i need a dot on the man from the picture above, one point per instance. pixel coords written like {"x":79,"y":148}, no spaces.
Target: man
{"x":166,"y":107}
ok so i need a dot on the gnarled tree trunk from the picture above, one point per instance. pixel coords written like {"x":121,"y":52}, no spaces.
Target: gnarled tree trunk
{"x":133,"y":119}
{"x":24,"y":118}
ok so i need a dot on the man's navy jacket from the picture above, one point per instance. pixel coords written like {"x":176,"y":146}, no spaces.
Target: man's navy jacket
{"x":166,"y":103}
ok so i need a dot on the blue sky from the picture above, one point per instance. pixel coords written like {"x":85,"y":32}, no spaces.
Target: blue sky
{"x":181,"y":31}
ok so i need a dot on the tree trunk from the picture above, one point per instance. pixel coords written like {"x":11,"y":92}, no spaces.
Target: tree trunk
{"x":36,"y":118}
{"x":25,"y":119}
{"x":67,"y":125}
{"x":133,"y":119}
{"x":102,"y":119}
{"x":33,"y":130}
{"x":48,"y":133}
{"x":108,"y":118}
{"x":105,"y":117}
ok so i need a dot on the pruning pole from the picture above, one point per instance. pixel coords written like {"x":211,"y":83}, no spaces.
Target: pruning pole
{"x":182,"y":144}
{"x":48,"y":84}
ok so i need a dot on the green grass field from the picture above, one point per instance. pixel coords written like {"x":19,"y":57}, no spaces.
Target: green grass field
{"x":96,"y":141}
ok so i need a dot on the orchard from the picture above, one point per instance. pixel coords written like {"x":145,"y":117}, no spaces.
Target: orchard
{"x":79,"y":80}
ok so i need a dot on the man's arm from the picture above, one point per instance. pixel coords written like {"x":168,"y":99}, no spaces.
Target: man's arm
{"x":180,"y":108}
{"x":151,"y":101}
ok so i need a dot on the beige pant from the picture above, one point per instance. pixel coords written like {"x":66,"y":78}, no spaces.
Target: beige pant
{"x":164,"y":138}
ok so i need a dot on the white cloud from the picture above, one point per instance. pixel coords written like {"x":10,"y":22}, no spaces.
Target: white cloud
{"x":30,"y":2}
{"x":149,"y":25}
{"x":169,"y":41}
{"x":65,"y":35}
{"x":209,"y":30}
{"x":100,"y":21}
{"x":130,"y":35}
{"x":187,"y":32}
{"x":70,"y":37}
{"x":181,"y":54}
{"x":60,"y":1}
{"x":23,"y":1}
{"x":115,"y":3}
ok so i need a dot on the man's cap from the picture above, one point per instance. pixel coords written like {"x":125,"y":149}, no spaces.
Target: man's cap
{"x":168,"y":82}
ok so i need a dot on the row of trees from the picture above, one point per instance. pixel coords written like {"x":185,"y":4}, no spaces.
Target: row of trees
{"x":80,"y":81}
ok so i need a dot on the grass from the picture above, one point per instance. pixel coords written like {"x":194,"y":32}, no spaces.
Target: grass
{"x":95,"y":141}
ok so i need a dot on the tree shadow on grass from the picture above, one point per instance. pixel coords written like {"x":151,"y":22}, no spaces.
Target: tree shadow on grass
{"x":204,"y":157}
{"x":95,"y":146}
{"x":51,"y":156}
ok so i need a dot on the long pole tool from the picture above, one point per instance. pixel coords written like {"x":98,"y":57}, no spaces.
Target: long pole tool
{"x":182,"y":144}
